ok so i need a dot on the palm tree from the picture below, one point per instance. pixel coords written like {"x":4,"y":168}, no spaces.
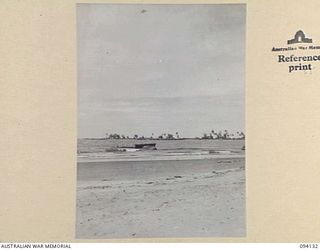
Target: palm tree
{"x":177,"y":135}
{"x":205,"y":136}
{"x":242,"y":135}
{"x":225,"y":134}
{"x":170,"y":137}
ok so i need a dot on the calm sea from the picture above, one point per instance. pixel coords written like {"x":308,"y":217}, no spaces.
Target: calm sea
{"x":92,"y":150}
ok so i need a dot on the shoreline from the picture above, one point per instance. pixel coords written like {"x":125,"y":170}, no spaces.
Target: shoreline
{"x":218,"y":157}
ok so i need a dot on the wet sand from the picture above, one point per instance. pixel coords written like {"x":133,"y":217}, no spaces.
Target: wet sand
{"x":143,"y":199}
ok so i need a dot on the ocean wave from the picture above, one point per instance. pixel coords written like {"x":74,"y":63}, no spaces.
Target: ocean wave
{"x":187,"y":153}
{"x":150,"y":155}
{"x":225,"y":152}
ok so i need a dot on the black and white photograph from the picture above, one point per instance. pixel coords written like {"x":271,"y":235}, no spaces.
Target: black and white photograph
{"x":161,"y":121}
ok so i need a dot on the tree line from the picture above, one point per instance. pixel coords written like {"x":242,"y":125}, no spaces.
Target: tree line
{"x":212,"y":135}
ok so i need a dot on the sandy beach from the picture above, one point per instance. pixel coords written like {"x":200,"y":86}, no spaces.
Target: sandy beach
{"x":142,"y":199}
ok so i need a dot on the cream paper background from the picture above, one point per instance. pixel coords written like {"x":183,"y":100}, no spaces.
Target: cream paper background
{"x":38,"y":100}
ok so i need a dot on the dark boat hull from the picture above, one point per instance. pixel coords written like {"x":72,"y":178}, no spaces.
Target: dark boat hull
{"x":146,"y":146}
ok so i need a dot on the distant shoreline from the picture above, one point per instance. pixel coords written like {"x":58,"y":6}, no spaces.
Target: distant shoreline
{"x":157,"y":139}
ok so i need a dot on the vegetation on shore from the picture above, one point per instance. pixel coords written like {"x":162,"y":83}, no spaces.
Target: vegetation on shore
{"x":212,"y":135}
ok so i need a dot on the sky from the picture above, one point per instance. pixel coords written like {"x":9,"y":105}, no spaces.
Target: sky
{"x":146,"y":69}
